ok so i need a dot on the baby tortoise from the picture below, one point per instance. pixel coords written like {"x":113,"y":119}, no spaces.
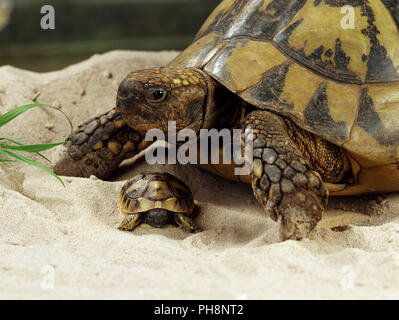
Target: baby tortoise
{"x":156,"y":199}
{"x":320,"y":94}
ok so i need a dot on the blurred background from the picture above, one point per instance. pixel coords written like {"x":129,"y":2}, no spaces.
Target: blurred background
{"x":86,"y":27}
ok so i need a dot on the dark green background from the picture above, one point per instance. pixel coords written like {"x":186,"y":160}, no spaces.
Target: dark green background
{"x":85,"y":27}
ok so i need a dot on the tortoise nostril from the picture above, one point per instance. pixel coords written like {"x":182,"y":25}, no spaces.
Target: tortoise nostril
{"x":125,"y":89}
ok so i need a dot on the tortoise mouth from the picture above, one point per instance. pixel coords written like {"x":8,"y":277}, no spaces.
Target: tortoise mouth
{"x":158,"y":218}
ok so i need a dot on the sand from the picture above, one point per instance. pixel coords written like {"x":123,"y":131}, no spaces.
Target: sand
{"x":62,"y":242}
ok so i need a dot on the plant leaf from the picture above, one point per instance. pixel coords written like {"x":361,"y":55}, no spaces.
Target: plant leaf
{"x":29,"y":161}
{"x":7,"y":160}
{"x":5,"y":118}
{"x":32,"y":148}
{"x":21,"y":144}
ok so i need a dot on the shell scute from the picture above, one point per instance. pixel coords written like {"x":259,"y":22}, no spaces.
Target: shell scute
{"x":260,"y":19}
{"x":355,"y":46}
{"x":305,"y":60}
{"x":155,"y":191}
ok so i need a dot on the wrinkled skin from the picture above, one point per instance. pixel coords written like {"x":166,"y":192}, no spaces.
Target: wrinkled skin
{"x":289,"y":166}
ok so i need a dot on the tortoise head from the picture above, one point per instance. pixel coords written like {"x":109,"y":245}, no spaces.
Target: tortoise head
{"x":148,"y":99}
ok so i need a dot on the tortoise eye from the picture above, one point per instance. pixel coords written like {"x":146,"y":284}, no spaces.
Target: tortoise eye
{"x":159,"y":95}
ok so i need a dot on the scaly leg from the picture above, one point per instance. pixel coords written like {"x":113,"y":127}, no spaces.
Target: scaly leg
{"x":130,"y":222}
{"x":186,"y":223}
{"x":283,"y":178}
{"x":98,"y":147}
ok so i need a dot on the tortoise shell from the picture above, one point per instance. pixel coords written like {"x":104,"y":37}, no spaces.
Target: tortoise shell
{"x":149,"y":191}
{"x":331,"y":66}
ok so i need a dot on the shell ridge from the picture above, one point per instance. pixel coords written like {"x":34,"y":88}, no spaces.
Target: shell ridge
{"x":332,"y":53}
{"x":155,"y":190}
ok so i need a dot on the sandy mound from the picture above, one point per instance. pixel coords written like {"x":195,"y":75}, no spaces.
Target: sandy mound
{"x":58,"y":242}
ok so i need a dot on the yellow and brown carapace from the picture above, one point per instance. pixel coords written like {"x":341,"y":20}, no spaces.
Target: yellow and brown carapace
{"x":298,"y":59}
{"x":316,"y":80}
{"x":157,"y":199}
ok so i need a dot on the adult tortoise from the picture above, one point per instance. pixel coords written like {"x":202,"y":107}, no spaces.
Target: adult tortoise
{"x":316,"y":80}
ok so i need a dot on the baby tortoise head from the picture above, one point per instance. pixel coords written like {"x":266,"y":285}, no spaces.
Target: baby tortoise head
{"x":156,"y":199}
{"x":148,"y":99}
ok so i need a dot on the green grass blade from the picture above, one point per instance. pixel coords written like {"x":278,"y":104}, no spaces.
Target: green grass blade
{"x":37,"y":95}
{"x":35,"y":148}
{"x":31,"y":162}
{"x":69,"y":120}
{"x":32,"y":148}
{"x":21,"y":144}
{"x":7,"y":160}
{"x":5,"y":118}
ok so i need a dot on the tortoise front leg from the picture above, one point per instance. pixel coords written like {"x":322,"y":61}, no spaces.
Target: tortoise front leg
{"x":130,"y":222}
{"x":98,"y":147}
{"x":282,"y":178}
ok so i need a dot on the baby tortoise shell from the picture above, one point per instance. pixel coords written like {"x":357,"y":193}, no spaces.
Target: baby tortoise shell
{"x":301,"y":59}
{"x":157,"y":199}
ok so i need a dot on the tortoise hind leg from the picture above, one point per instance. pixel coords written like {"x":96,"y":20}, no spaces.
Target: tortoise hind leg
{"x":186,"y":223}
{"x":283,"y":178}
{"x":98,"y":147}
